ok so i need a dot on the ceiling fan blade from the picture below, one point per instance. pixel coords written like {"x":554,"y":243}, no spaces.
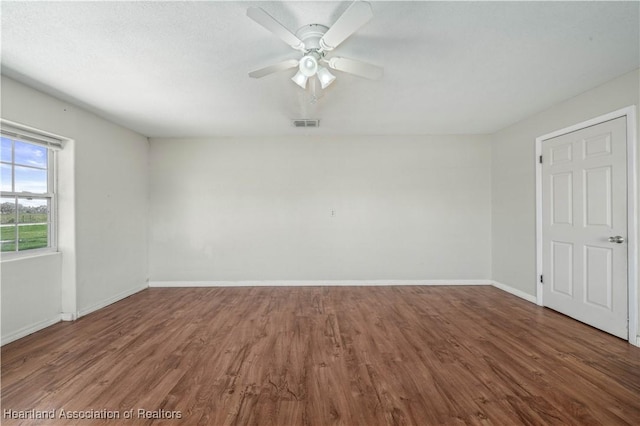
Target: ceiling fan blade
{"x":358,"y":68}
{"x":281,"y":66}
{"x":269,"y":22}
{"x":358,"y":14}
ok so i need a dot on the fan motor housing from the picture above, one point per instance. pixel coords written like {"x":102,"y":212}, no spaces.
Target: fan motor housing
{"x":311,"y":35}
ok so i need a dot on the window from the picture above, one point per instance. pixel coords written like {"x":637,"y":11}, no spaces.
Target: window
{"x":27,"y":192}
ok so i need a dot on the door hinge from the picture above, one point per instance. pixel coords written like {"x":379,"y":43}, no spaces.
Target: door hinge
{"x":541,"y":280}
{"x":540,"y":159}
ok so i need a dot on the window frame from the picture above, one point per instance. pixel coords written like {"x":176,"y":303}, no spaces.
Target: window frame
{"x":50,"y":196}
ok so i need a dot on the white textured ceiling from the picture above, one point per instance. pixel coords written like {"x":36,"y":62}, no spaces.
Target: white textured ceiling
{"x":171,"y":69}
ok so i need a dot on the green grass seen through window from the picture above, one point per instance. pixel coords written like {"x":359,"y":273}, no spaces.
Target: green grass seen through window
{"x":29,"y":237}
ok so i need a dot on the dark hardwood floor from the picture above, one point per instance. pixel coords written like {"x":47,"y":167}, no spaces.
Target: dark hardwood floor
{"x":324,"y":356}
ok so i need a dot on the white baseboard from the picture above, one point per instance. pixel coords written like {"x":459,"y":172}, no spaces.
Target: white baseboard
{"x":110,"y":300}
{"x":25,"y":331}
{"x":521,"y":294}
{"x":303,"y":283}
{"x":68,"y":316}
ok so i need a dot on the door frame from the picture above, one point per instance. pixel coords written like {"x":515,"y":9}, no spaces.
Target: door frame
{"x":632,"y":210}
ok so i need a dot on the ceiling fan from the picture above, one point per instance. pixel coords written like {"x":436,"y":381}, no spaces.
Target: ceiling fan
{"x":315,"y":41}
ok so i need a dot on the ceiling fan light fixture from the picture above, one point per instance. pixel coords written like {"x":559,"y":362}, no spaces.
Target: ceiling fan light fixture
{"x":308,"y":65}
{"x":325,"y":77}
{"x":314,"y":41}
{"x":300,"y":79}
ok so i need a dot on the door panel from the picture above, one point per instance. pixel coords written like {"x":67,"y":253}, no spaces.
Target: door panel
{"x":584,"y":202}
{"x":562,"y":198}
{"x":598,"y":279}
{"x":562,"y":267}
{"x":597,"y":197}
{"x":561,"y":153}
{"x":597,"y":145}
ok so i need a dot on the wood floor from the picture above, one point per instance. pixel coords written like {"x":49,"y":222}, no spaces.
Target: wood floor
{"x":324,"y":356}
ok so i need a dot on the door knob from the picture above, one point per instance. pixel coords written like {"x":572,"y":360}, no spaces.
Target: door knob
{"x":617,"y":239}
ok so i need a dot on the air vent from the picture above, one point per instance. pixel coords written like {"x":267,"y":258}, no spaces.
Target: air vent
{"x":306,"y":123}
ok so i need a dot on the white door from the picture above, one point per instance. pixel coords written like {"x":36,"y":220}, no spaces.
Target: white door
{"x":584,"y":225}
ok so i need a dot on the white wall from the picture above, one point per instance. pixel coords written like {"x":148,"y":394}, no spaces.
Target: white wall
{"x":234,"y":209}
{"x":513,"y":176}
{"x":103,"y":183}
{"x":31,"y":294}
{"x":111,"y":212}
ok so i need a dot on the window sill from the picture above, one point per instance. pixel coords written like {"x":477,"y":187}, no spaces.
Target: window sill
{"x":29,"y":254}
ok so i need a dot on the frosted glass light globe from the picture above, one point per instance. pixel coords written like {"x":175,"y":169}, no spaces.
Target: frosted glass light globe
{"x":308,"y":65}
